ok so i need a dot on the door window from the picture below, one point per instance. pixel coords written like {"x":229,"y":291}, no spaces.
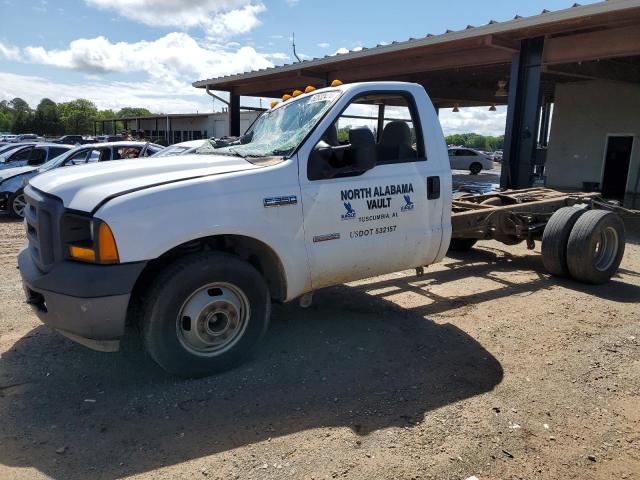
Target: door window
{"x":98,"y":155}
{"x":375,"y":129}
{"x":37,"y":157}
{"x":56,"y":151}
{"x":21,"y":155}
{"x":77,"y":158}
{"x":124,"y":153}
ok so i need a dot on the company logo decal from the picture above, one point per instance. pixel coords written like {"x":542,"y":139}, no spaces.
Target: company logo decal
{"x":408,"y":206}
{"x":379,"y":198}
{"x":351,"y":213}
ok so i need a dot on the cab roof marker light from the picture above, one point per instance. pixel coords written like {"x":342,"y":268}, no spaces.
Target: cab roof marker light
{"x":309,"y":89}
{"x":296,"y":93}
{"x":274,"y":103}
{"x":286,"y":97}
{"x":336,"y":83}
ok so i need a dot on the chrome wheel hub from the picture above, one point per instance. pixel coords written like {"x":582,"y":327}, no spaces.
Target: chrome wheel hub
{"x":606,"y":249}
{"x":213,"y":319}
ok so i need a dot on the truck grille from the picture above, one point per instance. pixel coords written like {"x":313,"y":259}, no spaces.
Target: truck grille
{"x":42,"y":220}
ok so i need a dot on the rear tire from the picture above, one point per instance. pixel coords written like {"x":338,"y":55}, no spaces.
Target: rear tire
{"x":555,"y":239}
{"x":596,"y":246}
{"x":204,"y":314}
{"x":461,"y":244}
{"x":17,"y":204}
{"x":475,"y":168}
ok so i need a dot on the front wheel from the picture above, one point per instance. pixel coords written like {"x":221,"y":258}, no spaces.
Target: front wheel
{"x":17,"y":204}
{"x":475,"y":168}
{"x":204,"y":314}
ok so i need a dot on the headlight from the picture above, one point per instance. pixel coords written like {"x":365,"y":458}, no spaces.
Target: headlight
{"x":88,"y":239}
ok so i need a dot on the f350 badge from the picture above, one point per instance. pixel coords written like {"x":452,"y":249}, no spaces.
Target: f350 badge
{"x":280,"y":201}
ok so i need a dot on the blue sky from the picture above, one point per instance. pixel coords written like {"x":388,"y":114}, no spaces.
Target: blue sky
{"x":147,"y":52}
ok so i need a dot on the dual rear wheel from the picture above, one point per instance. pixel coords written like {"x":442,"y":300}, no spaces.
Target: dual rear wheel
{"x":586,"y":245}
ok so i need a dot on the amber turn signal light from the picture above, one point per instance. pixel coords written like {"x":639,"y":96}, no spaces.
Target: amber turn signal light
{"x":107,"y":249}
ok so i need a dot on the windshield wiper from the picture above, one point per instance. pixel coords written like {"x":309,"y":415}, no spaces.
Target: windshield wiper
{"x":280,"y":153}
{"x":235,"y":153}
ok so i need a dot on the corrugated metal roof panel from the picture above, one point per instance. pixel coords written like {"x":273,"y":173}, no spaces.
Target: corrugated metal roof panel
{"x":576,"y":11}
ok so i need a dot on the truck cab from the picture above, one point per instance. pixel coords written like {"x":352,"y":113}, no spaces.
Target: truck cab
{"x":330,"y":186}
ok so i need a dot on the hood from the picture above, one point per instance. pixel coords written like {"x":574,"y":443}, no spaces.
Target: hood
{"x":12,"y":172}
{"x":83,"y":187}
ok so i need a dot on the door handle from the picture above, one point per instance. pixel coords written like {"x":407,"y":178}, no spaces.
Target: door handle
{"x":433,"y":188}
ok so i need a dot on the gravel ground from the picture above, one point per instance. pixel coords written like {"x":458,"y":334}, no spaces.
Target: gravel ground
{"x":485,"y":366}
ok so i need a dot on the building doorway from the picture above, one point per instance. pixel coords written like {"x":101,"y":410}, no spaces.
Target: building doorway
{"x":616,"y":166}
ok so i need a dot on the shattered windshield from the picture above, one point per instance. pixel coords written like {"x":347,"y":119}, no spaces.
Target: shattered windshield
{"x":278,"y":132}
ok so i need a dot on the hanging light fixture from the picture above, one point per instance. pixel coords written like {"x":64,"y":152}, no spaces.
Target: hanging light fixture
{"x":502,"y":89}
{"x":456,"y":108}
{"x":492,"y":108}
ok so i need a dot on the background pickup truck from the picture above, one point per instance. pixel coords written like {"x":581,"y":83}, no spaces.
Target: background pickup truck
{"x":328,"y":187}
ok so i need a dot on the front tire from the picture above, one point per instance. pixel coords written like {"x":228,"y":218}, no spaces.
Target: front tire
{"x":475,"y":168}
{"x":17,"y":204}
{"x":204,"y":314}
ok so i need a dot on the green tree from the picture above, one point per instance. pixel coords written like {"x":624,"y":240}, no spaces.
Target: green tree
{"x":77,"y":116}
{"x":476,"y":141}
{"x":22,"y":115}
{"x":133,"y":112}
{"x":47,"y":119}
{"x":6,"y":116}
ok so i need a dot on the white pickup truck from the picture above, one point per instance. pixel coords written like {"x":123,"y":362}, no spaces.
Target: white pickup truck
{"x":328,"y":187}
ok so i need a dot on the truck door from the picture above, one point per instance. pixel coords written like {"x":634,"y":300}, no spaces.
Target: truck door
{"x":364,"y":191}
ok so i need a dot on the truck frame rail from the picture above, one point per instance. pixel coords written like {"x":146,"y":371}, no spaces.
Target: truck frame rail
{"x":512,"y":216}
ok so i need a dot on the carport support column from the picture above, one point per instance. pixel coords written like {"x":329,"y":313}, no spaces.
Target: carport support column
{"x":234,"y":114}
{"x":522,"y":115}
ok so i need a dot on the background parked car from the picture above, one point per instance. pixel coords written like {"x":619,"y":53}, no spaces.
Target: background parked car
{"x":74,"y":140}
{"x":109,"y":138}
{"x":469,"y":159}
{"x":25,"y":137}
{"x":180,"y":148}
{"x":8,"y":137}
{"x":13,"y":181}
{"x":32,"y":154}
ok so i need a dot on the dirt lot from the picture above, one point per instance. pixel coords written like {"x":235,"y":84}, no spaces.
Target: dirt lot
{"x":486,"y":366}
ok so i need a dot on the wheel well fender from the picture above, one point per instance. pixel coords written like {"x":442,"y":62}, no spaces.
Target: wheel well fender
{"x":257,"y":253}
